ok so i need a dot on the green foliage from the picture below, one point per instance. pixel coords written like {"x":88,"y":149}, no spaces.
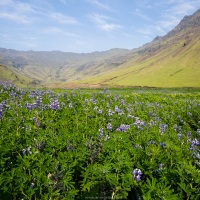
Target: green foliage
{"x":104,"y":144}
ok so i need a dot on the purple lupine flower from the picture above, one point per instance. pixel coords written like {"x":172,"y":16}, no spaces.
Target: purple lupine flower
{"x":24,"y":151}
{"x":94,"y":101}
{"x":29,"y":106}
{"x":179,"y":136}
{"x":1,"y":113}
{"x":198,"y":131}
{"x":130,"y":116}
{"x":198,"y":156}
{"x":162,"y":144}
{"x":139,"y":123}
{"x":160,"y":167}
{"x":101,"y":133}
{"x":100,"y":111}
{"x":180,"y":129}
{"x":195,"y":142}
{"x":32,"y":185}
{"x":38,"y":101}
{"x":123,"y":128}
{"x":191,"y":148}
{"x":38,"y":124}
{"x":189,"y":133}
{"x":157,"y":119}
{"x":151,"y":123}
{"x":137,"y":174}
{"x":122,"y":102}
{"x":54,"y":105}
{"x":110,"y":113}
{"x":109,"y":126}
{"x":151,"y":142}
{"x":175,"y":127}
{"x":117,"y":110}
{"x":29,"y":149}
{"x":150,"y":113}
{"x":65,"y":95}
{"x":162,"y":128}
{"x":138,"y":146}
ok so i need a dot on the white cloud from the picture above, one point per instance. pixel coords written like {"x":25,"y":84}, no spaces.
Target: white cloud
{"x":145,"y":31}
{"x":15,"y":17}
{"x":56,"y":30}
{"x":16,"y":11}
{"x":138,"y":13}
{"x":100,"y":5}
{"x":5,"y":2}
{"x":103,"y":23}
{"x":168,"y":23}
{"x":183,"y":8}
{"x":172,"y":16}
{"x":62,"y":19}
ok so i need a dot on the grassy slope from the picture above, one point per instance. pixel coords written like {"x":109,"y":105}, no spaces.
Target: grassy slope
{"x":174,"y":65}
{"x":10,"y":74}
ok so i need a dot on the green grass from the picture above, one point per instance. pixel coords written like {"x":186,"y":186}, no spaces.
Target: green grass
{"x":10,"y":74}
{"x":172,"y":66}
{"x":58,"y":144}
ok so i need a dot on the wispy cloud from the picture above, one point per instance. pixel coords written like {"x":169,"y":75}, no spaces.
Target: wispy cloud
{"x":168,"y":23}
{"x":172,"y":16}
{"x":103,"y":22}
{"x":100,"y":5}
{"x":55,"y":30}
{"x":145,"y":31}
{"x":15,"y":17}
{"x":5,"y":2}
{"x":16,"y":11}
{"x":182,"y":8}
{"x":62,"y":19}
{"x":26,"y":13}
{"x":144,"y":4}
{"x":138,"y":13}
{"x":63,"y":1}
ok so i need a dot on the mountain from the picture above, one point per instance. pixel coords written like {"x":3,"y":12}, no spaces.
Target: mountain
{"x":48,"y":68}
{"x":171,"y":60}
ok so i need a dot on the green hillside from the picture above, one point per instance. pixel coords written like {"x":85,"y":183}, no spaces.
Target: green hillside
{"x":175,"y":66}
{"x":169,"y":61}
{"x":10,"y":74}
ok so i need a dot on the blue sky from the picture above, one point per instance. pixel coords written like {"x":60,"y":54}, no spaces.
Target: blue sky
{"x":87,"y":25}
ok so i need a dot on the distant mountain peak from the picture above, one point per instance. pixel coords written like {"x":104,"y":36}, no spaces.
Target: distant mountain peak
{"x":188,"y":22}
{"x":157,"y":38}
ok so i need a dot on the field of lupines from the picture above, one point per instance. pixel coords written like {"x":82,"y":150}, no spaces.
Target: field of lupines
{"x":77,"y":144}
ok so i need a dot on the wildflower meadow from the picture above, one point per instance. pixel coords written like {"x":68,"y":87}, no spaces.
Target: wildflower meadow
{"x":82,"y":144}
